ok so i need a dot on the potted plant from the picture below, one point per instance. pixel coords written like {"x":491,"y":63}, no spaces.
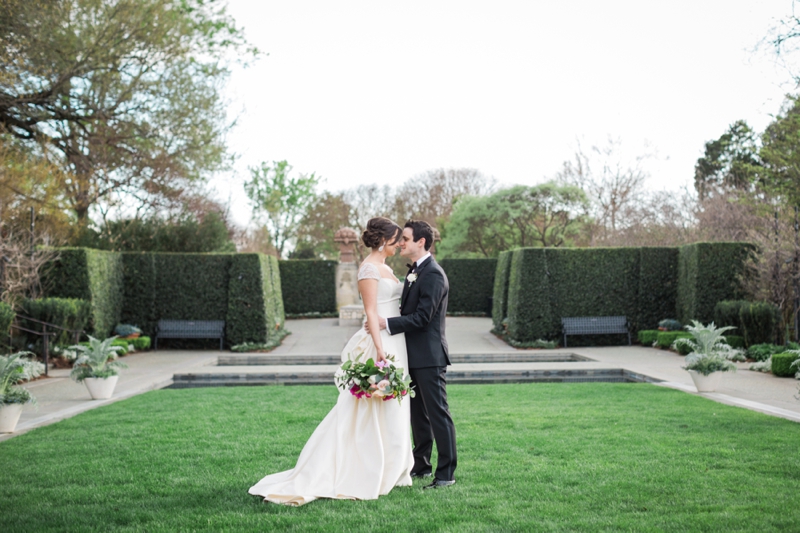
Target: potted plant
{"x":709,"y":355}
{"x":127,"y":331}
{"x":14,"y":369}
{"x":96,"y":366}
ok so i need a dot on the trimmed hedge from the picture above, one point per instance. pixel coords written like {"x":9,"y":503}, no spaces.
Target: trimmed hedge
{"x":7,"y":315}
{"x":648,"y":336}
{"x":658,"y":286}
{"x":762,"y":352}
{"x":471,"y":285}
{"x":68,"y":313}
{"x":180,"y":287}
{"x":643,"y":284}
{"x":91,"y":275}
{"x":759,"y":322}
{"x":500,"y":290}
{"x":709,"y":273}
{"x":664,"y":339}
{"x":253,"y":315}
{"x":308,"y":286}
{"x":782,"y":364}
{"x":529,"y":314}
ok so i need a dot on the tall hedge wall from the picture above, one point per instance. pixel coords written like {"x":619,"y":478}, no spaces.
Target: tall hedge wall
{"x":709,"y":273}
{"x":500,"y":292}
{"x":471,"y":285}
{"x":308,"y":286}
{"x":254,"y":313}
{"x":644,"y":284}
{"x":92,"y":275}
{"x":141,"y":288}
{"x":658,"y":286}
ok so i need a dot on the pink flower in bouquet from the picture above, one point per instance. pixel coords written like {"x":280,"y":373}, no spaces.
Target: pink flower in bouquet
{"x":390,"y":397}
{"x":404,"y":393}
{"x":384,"y":384}
{"x":381,"y":364}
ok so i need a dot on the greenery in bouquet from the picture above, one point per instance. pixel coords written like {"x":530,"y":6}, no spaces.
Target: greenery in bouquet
{"x":709,"y":351}
{"x":370,"y":379}
{"x":97,"y":360}
{"x":16,"y":368}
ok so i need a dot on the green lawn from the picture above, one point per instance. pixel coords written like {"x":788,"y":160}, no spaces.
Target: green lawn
{"x":532,"y":457}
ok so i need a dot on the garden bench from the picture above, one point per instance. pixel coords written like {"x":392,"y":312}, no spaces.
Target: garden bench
{"x":191,"y":329}
{"x":595,"y":325}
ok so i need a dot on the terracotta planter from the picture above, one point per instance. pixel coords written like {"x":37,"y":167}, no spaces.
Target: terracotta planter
{"x":131,"y":336}
{"x":9,"y":416}
{"x":707,"y":383}
{"x":101,"y":388}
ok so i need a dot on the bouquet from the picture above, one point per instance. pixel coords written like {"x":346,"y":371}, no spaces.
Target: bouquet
{"x":370,"y":379}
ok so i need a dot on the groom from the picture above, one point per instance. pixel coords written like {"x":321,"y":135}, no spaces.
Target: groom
{"x":422,"y":315}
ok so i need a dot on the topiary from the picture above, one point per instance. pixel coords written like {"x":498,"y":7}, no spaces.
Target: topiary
{"x":782,"y":363}
{"x":141,"y":343}
{"x":665,"y":339}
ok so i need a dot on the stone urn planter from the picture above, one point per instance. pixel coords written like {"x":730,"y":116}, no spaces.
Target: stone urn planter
{"x":101,"y":388}
{"x":9,"y":416}
{"x":707,"y":383}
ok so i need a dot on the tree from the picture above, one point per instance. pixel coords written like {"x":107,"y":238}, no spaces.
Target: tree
{"x":544,"y":215}
{"x":613,"y":184}
{"x":324,"y":218}
{"x":430,"y":196}
{"x":730,"y":162}
{"x":123,"y":95}
{"x":281,"y":200}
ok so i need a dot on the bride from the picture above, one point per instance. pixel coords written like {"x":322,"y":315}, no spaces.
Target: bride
{"x":362,"y":449}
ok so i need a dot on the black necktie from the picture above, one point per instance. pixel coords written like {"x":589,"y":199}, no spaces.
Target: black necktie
{"x":411,"y":267}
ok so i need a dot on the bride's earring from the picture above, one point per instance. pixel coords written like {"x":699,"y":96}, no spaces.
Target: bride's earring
{"x":380,"y":249}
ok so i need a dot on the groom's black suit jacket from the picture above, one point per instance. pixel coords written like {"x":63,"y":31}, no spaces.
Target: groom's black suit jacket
{"x":422,"y":314}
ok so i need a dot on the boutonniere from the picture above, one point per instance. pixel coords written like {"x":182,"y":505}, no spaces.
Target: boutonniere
{"x":411,"y":279}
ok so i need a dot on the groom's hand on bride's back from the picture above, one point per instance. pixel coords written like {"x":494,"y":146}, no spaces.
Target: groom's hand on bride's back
{"x":381,"y":324}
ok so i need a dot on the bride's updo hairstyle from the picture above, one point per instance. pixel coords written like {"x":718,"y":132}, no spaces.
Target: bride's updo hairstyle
{"x":380,"y":231}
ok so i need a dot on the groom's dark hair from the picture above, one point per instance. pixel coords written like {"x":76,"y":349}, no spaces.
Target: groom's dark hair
{"x":421,"y":229}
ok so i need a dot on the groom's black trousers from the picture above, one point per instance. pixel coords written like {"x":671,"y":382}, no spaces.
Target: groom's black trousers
{"x":431,"y":420}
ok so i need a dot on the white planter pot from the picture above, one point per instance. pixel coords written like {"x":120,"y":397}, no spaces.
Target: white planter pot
{"x":101,"y":388}
{"x":9,"y":416}
{"x":707,"y":383}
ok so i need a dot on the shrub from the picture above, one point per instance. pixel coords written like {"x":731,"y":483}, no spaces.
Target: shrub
{"x":529,"y":314}
{"x":648,"y":336}
{"x":735,"y":341}
{"x":90,"y":275}
{"x":726,"y":313}
{"x":471,"y":285}
{"x":6,"y":319}
{"x":122,"y":344}
{"x":665,"y":339}
{"x":139,"y":274}
{"x":759,"y":322}
{"x":68,"y":313}
{"x":192,"y":286}
{"x":670,"y":324}
{"x":782,"y":363}
{"x":762,"y":352}
{"x":709,"y":273}
{"x":500,"y":291}
{"x":141,"y":343}
{"x":308,"y":286}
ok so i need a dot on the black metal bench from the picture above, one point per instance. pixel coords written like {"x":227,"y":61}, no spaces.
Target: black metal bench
{"x":191,"y":329}
{"x":595,"y":325}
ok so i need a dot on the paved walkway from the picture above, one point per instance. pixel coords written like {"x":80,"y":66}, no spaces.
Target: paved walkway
{"x":59,"y":397}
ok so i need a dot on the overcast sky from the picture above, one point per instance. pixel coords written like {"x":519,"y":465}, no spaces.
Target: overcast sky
{"x":378,"y":92}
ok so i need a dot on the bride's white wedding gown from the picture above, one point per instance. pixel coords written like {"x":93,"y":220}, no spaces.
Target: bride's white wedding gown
{"x":362,"y":449}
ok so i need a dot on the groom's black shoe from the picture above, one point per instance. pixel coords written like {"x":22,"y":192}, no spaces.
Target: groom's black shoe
{"x":418,"y":475}
{"x":438,"y":483}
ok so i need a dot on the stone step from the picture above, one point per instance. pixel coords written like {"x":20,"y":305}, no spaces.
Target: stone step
{"x":511,"y":357}
{"x":227,"y":379}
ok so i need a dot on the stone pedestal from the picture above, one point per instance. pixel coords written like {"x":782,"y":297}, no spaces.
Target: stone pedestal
{"x":351,"y":315}
{"x":347,"y":285}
